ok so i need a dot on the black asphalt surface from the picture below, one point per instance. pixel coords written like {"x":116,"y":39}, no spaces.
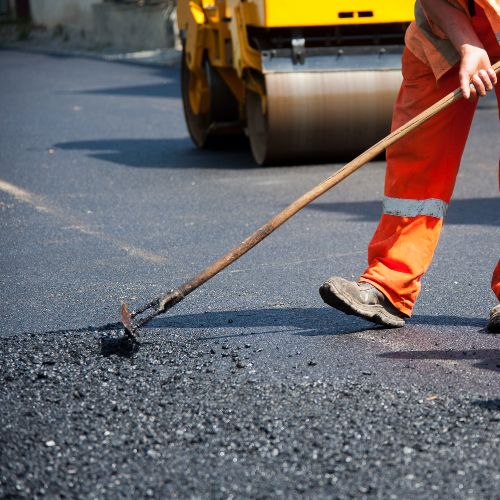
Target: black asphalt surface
{"x":251,"y":387}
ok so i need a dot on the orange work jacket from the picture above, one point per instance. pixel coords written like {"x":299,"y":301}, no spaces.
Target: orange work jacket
{"x":429,"y":43}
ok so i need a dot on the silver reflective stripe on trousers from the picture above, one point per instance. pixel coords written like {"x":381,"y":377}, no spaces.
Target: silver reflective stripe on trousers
{"x":412,"y":208}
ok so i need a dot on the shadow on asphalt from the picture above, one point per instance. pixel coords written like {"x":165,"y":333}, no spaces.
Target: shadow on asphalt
{"x":304,"y":321}
{"x":422,"y":319}
{"x":300,"y":321}
{"x":229,"y":153}
{"x":307,"y":321}
{"x":489,"y":359}
{"x":118,"y":346}
{"x":169,"y":87}
{"x":488,"y":404}
{"x":477,"y":211}
{"x":165,"y":153}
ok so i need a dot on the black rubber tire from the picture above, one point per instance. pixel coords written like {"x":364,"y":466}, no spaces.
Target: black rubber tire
{"x":223,"y":107}
{"x":257,"y":128}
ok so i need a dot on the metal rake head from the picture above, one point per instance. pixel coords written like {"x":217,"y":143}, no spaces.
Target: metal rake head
{"x":133,"y":320}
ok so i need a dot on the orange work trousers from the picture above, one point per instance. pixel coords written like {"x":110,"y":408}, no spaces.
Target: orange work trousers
{"x":420,"y":177}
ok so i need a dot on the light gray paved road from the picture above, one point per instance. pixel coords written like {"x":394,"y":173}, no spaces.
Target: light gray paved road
{"x":251,"y":386}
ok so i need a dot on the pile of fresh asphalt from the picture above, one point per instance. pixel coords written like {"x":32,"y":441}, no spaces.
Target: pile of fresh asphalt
{"x":84,"y":415}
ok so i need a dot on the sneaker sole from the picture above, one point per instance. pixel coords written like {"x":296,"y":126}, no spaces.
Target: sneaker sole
{"x":375,"y":313}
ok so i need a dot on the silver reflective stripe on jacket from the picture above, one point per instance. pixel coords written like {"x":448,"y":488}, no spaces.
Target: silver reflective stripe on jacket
{"x":412,"y":208}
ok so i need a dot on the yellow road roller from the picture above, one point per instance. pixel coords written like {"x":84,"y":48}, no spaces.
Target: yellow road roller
{"x":305,"y":80}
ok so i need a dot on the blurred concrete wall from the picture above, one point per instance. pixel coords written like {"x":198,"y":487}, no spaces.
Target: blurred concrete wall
{"x":129,"y":27}
{"x":74,"y":13}
{"x":117,"y":25}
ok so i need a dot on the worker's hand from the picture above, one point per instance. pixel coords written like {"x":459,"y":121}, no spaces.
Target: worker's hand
{"x":476,"y":74}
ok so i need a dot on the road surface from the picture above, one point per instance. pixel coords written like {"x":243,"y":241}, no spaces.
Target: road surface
{"x":251,"y":387}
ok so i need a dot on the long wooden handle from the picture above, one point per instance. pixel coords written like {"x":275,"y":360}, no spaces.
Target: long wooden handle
{"x":320,"y":189}
{"x":175,"y":296}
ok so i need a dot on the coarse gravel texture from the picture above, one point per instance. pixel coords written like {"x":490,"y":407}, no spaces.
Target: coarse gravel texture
{"x":177,"y":417}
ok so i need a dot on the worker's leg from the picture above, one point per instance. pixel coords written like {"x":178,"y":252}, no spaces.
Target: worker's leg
{"x":420,"y":177}
{"x":495,"y":280}
{"x":421,"y":173}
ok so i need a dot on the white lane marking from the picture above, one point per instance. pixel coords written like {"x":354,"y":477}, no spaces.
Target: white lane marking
{"x":18,"y":193}
{"x":41,"y":205}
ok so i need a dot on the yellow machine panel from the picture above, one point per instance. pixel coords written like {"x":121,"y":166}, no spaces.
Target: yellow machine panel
{"x":303,"y":80}
{"x":282,"y":13}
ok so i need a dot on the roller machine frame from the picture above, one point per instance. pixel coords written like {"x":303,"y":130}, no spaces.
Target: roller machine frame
{"x":305,"y":81}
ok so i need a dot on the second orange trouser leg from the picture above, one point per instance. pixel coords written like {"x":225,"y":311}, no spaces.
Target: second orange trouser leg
{"x":495,"y":281}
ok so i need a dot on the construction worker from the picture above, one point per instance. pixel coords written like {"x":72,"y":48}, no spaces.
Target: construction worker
{"x":450,"y":42}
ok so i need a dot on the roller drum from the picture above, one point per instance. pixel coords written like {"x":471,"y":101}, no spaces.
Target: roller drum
{"x":320,"y":115}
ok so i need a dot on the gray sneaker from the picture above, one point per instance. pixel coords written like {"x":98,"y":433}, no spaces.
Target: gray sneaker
{"x":361,"y":299}
{"x":494,"y":321}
